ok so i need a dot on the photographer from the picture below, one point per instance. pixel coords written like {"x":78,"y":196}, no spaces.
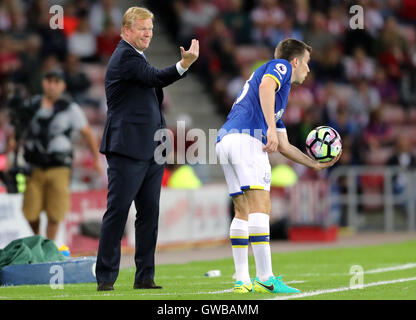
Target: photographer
{"x":48,"y":150}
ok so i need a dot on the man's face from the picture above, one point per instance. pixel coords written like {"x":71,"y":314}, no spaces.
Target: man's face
{"x":53,"y":87}
{"x":302,"y":69}
{"x":140,"y":33}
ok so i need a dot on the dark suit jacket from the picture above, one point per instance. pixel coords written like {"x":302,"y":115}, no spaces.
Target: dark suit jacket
{"x":134,"y":95}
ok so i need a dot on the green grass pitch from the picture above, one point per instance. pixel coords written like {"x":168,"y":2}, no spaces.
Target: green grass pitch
{"x":389,"y":273}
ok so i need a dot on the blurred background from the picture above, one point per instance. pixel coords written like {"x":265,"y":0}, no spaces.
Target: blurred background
{"x":362,"y":83}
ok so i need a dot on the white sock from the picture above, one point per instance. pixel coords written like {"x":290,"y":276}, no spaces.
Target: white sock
{"x":259,"y":232}
{"x":239,"y":243}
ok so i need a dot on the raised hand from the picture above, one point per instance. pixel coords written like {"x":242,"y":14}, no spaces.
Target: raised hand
{"x":189,"y":56}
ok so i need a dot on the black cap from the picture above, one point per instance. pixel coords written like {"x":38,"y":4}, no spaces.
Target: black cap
{"x":56,"y":73}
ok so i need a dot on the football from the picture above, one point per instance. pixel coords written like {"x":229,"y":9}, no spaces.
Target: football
{"x":323,"y":143}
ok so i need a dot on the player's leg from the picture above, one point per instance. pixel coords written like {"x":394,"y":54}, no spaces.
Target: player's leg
{"x":254,"y":173}
{"x":239,"y":244}
{"x":259,"y":231}
{"x":239,"y":224}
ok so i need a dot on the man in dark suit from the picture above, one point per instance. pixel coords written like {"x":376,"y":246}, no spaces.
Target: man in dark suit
{"x":134,"y":96}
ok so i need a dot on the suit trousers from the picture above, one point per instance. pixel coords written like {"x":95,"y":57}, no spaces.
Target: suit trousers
{"x":130,"y":180}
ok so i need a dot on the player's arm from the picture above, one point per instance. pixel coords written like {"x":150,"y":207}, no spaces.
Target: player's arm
{"x":294,"y":154}
{"x":267,"y":91}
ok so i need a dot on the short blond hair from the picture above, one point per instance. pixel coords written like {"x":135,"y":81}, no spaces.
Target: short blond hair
{"x":134,"y":13}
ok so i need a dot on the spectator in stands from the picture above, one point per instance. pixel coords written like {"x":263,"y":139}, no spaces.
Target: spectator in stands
{"x":408,"y":83}
{"x":29,"y":71}
{"x":53,"y":40}
{"x":83,"y":42}
{"x":331,"y":67}
{"x":107,"y":41}
{"x":9,"y":58}
{"x":329,"y":98}
{"x":17,"y":30}
{"x":238,"y":21}
{"x":405,"y":159}
{"x":359,"y":66}
{"x":195,"y":18}
{"x":337,"y":20}
{"x":36,"y":9}
{"x":71,"y":20}
{"x":408,"y":11}
{"x":390,"y":36}
{"x":318,"y":37}
{"x":359,"y":38}
{"x":286,"y":30}
{"x":363,"y":100}
{"x":221,"y":46}
{"x":48,"y":150}
{"x":237,"y":83}
{"x":386,"y":89}
{"x":77,"y":82}
{"x":266,"y":17}
{"x":344,"y":124}
{"x":102,"y":12}
{"x":376,"y":136}
{"x":373,"y":16}
{"x":301,"y":13}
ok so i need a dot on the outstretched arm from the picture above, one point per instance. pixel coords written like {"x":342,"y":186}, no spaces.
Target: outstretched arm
{"x":136,"y":68}
{"x":294,"y":154}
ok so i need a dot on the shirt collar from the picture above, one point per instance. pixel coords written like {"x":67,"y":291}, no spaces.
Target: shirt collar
{"x":141,"y":52}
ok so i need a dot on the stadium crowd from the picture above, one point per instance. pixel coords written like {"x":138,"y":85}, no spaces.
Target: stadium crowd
{"x":363,"y":81}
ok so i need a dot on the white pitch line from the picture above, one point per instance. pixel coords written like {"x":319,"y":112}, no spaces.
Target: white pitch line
{"x":400,"y":267}
{"x":371,"y":271}
{"x":319,"y":292}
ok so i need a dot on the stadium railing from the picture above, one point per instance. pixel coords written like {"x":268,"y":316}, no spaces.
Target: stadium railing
{"x":379,"y":189}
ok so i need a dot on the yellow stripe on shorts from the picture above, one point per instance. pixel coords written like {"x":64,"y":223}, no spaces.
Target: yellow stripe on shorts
{"x":256,"y":187}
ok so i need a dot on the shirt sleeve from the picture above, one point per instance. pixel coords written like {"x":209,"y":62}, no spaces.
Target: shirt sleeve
{"x":78,"y":118}
{"x":279,"y":72}
{"x":181,"y":70}
{"x":280,"y":126}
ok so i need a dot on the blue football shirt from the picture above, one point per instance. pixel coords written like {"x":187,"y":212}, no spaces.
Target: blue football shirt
{"x":246,"y":115}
